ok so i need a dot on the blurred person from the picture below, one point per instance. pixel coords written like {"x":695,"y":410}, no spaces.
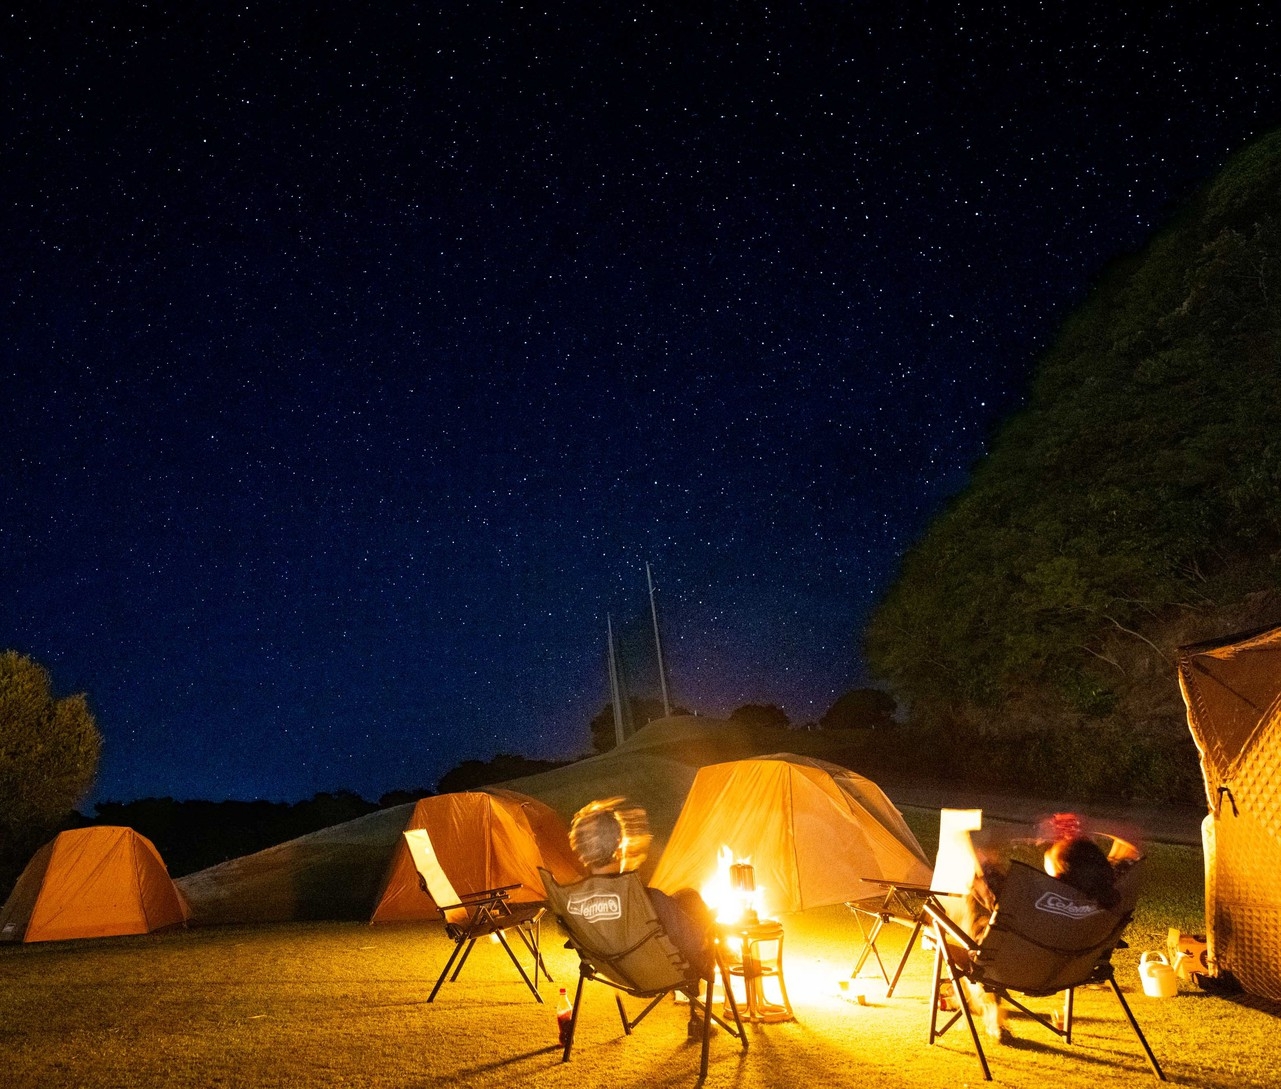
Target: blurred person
{"x":612,"y":837}
{"x":1072,"y":857}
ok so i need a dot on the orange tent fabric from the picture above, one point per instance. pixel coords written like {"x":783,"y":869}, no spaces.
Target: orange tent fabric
{"x":92,"y":883}
{"x":811,"y":829}
{"x":483,"y":840}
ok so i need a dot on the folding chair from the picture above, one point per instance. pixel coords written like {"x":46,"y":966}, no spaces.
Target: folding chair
{"x":471,"y":916}
{"x":954,"y":867}
{"x":1043,"y":939}
{"x":612,"y":925}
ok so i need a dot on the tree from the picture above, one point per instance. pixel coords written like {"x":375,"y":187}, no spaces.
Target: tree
{"x":49,"y":751}
{"x":860,"y":709}
{"x":761,"y":714}
{"x":1132,"y":504}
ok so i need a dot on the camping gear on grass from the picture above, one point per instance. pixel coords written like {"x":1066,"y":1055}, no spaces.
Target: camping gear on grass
{"x":1157,"y":976}
{"x":1232,"y":688}
{"x":92,"y":883}
{"x":811,"y":830}
{"x":483,"y":839}
{"x":1045,"y":938}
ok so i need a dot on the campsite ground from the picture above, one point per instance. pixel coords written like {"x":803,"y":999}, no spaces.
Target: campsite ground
{"x":297,"y":1003}
{"x":325,"y":1003}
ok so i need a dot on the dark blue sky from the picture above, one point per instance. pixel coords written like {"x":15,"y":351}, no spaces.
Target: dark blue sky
{"x":354,"y":362}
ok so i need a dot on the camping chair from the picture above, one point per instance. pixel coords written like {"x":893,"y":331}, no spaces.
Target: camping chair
{"x":1044,"y":938}
{"x":474,"y":915}
{"x":612,"y":925}
{"x":904,"y":904}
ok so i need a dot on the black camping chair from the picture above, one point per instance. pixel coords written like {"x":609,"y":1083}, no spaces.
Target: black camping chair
{"x":1043,"y":939}
{"x":476,"y":915}
{"x":612,"y":925}
{"x":904,"y":904}
{"x":901,"y":904}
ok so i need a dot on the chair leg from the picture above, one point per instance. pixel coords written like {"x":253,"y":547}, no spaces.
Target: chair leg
{"x":519,"y":967}
{"x":733,"y":1005}
{"x":902,"y":963}
{"x":707,"y":1029}
{"x":531,"y":935}
{"x":940,"y":958}
{"x":573,"y":1019}
{"x":1156,"y":1067}
{"x":869,"y":946}
{"x":1068,"y":1004}
{"x":445,"y":971}
{"x":458,"y":968}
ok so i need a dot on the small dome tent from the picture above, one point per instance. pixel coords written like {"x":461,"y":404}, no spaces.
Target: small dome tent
{"x":92,"y":883}
{"x":811,"y":829}
{"x":483,"y":840}
{"x":1232,"y":688}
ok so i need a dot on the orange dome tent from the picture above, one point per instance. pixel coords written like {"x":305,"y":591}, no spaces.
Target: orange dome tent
{"x":812,"y":830}
{"x":92,"y":883}
{"x":483,"y":840}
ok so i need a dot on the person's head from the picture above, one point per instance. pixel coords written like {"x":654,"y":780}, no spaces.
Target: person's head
{"x":610,"y":836}
{"x":1081,"y":863}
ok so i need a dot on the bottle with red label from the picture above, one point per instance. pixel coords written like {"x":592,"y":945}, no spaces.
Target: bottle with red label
{"x":564,"y":1016}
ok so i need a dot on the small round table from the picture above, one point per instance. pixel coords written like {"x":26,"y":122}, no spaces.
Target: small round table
{"x":762,"y":959}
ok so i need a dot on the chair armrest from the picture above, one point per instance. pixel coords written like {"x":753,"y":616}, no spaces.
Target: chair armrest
{"x":479,"y":899}
{"x":950,"y":928}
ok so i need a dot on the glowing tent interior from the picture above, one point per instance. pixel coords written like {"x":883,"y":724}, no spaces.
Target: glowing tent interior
{"x":811,"y":830}
{"x":1232,"y":688}
{"x":483,"y":839}
{"x":92,"y":883}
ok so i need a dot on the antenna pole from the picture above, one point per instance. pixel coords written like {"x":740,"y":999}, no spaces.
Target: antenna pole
{"x":658,"y":644}
{"x":616,"y":697}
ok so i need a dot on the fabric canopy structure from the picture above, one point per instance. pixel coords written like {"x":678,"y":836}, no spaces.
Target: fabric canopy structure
{"x":812,"y":831}
{"x":1232,"y":688}
{"x":92,"y":883}
{"x":482,"y":840}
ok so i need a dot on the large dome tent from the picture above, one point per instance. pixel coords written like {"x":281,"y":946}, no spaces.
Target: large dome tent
{"x":484,"y":839}
{"x":92,"y":882}
{"x":811,"y":829}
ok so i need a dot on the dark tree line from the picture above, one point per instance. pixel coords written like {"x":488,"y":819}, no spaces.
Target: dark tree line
{"x":193,"y":835}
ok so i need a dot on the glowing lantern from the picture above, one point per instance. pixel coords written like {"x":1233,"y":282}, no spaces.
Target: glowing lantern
{"x":732,"y":893}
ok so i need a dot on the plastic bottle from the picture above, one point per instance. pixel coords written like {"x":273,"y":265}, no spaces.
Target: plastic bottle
{"x":564,"y":1016}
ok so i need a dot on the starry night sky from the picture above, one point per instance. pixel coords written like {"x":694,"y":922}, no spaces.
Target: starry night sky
{"x":355,"y":362}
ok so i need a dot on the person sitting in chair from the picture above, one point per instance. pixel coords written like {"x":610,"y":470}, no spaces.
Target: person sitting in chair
{"x":610,"y":838}
{"x":1072,"y":857}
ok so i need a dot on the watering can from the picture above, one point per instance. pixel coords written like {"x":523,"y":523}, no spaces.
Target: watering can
{"x":1157,"y":976}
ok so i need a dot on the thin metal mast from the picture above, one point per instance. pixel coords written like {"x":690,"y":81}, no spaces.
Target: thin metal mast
{"x":614,"y":694}
{"x":658,"y":644}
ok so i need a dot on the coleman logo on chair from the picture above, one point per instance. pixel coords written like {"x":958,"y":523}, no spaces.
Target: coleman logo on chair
{"x":1058,"y":904}
{"x":596,"y":906}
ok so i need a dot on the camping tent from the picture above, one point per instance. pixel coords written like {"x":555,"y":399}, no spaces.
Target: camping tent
{"x":483,"y":840}
{"x":811,"y":829}
{"x":92,"y":883}
{"x":1232,"y":688}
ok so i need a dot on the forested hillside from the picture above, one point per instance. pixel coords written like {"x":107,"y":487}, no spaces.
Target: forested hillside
{"x":1133,"y":505}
